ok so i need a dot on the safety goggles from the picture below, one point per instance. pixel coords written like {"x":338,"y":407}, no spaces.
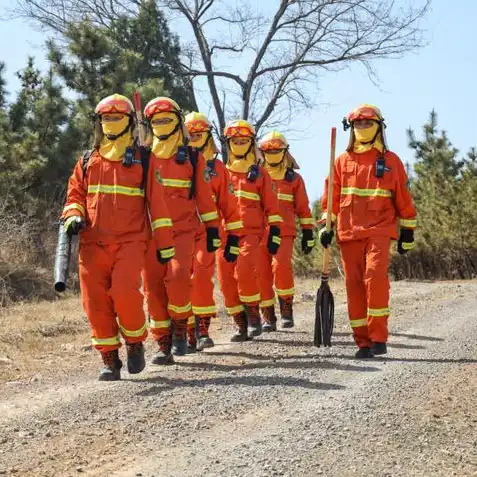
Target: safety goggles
{"x":197,"y":127}
{"x":159,"y":107}
{"x":121,"y":107}
{"x":363,"y":113}
{"x":273,"y":145}
{"x":238,"y":131}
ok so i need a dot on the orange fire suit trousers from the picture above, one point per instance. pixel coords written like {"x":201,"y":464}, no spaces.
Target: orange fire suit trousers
{"x":110,"y":279}
{"x":203,"y":303}
{"x":365,"y":264}
{"x":276,"y":270}
{"x":168,"y":286}
{"x":239,"y":281}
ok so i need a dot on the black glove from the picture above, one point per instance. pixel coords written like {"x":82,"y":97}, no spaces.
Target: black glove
{"x":274,"y":239}
{"x":406,"y":241}
{"x":73,"y":225}
{"x":231,"y":251}
{"x":326,"y":237}
{"x":307,"y":241}
{"x":213,"y":240}
{"x":165,"y":255}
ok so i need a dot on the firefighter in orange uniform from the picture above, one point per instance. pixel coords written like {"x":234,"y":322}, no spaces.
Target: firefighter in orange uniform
{"x":107,"y":200}
{"x":293,"y":202}
{"x":371,"y":201}
{"x":203,"y":304}
{"x":182,"y":172}
{"x":258,"y":207}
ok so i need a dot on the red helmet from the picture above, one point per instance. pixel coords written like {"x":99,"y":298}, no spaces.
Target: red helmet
{"x":239,"y":128}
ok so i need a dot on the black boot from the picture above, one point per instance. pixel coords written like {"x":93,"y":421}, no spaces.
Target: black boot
{"x":254,"y":321}
{"x":240,"y":320}
{"x":205,"y":341}
{"x":179,"y":337}
{"x":136,"y":358}
{"x":164,"y":355}
{"x":269,"y":319}
{"x":112,"y":366}
{"x":286,"y":310}
{"x":363,"y":353}
{"x":191,"y":339}
{"x":379,"y":348}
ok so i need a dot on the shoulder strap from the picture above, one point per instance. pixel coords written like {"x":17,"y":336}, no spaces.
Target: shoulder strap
{"x":145,"y":154}
{"x":86,"y":157}
{"x":194,"y":159}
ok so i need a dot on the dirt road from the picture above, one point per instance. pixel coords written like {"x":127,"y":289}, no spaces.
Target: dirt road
{"x":274,"y":407}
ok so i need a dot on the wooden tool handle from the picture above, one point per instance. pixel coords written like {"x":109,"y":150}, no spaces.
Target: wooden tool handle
{"x":140,"y":123}
{"x":329,"y":215}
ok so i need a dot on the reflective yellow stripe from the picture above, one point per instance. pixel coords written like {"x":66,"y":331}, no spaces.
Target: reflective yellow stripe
{"x":234,"y":250}
{"x":180,"y":309}
{"x":191,"y":320}
{"x":234,"y":309}
{"x":209,"y":216}
{"x":74,"y":206}
{"x":409,"y":223}
{"x":134,"y":333}
{"x":358,"y":323}
{"x":378,"y":312}
{"x":366,"y":192}
{"x":168,"y":252}
{"x":159,"y":324}
{"x":407,"y":245}
{"x":234,"y":225}
{"x":115,"y":189}
{"x":285,"y":197}
{"x":310,"y":243}
{"x":250,"y":298}
{"x":266,"y":303}
{"x":105,"y":341}
{"x":247,"y":195}
{"x":276,"y":240}
{"x":274,"y":218}
{"x":307,"y":221}
{"x":204,"y":310}
{"x":290,"y":291}
{"x":176,"y":183}
{"x":158,"y":223}
{"x":216,"y":242}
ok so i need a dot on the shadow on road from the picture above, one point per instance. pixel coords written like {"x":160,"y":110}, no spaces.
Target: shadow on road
{"x":402,"y":335}
{"x":311,"y":364}
{"x":409,"y":360}
{"x":252,"y":381}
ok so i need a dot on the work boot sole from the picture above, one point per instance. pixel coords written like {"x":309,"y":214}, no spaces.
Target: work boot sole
{"x":162,"y":359}
{"x":287,"y":324}
{"x":378,"y":349}
{"x":109,"y":375}
{"x":239,"y":338}
{"x":191,"y":348}
{"x":269,"y":327}
{"x":204,"y":343}
{"x":364,"y":353}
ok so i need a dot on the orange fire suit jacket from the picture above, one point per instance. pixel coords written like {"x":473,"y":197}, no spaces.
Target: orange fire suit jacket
{"x":368,"y":206}
{"x":293,"y":202}
{"x":224,"y":198}
{"x":110,"y":200}
{"x":186,"y":213}
{"x":257,"y":201}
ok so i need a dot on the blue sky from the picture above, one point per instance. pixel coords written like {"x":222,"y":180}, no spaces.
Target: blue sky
{"x":442,"y":76}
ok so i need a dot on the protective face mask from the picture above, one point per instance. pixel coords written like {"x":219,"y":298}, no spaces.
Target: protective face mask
{"x":240,"y":149}
{"x":199,"y":142}
{"x":114,"y":128}
{"x":273,"y":158}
